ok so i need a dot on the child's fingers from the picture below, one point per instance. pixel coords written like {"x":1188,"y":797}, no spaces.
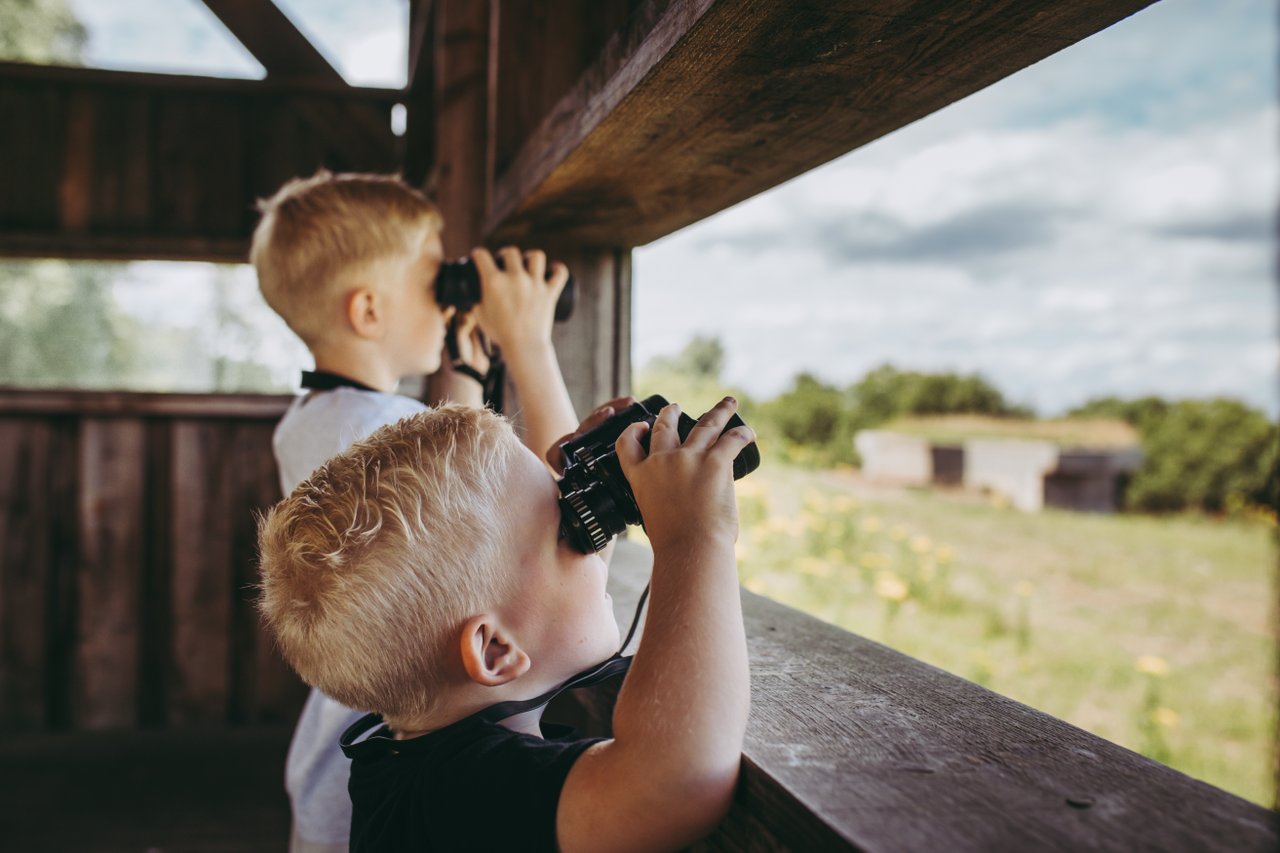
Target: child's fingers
{"x":485,"y":264}
{"x":731,"y":443}
{"x":629,"y":449}
{"x":710,"y":424}
{"x":512,"y":258}
{"x":559,"y":277}
{"x":665,"y":434}
{"x":535,"y":261}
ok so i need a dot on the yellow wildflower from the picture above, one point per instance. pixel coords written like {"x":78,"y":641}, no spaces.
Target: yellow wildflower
{"x":891,"y":587}
{"x":1152,"y":665}
{"x":1166,"y":717}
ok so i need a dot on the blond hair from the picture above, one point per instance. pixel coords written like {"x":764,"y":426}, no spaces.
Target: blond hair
{"x":317,"y":233}
{"x":372,"y":564}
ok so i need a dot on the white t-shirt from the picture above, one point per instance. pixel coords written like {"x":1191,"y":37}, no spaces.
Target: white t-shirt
{"x":316,"y":427}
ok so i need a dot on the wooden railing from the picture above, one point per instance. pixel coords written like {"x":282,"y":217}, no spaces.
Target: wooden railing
{"x":127,"y":540}
{"x":852,"y":745}
{"x":127,"y":529}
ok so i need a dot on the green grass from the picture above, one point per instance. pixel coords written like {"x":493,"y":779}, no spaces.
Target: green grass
{"x":1052,"y":609}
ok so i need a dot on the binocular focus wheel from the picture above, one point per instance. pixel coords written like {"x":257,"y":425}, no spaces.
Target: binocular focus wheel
{"x":599,"y":538}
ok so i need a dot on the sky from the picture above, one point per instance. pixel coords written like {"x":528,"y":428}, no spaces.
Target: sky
{"x":1100,"y":223}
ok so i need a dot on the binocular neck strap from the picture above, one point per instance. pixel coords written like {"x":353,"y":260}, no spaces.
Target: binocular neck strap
{"x":616,"y":665}
{"x":492,"y":382}
{"x":324,"y":380}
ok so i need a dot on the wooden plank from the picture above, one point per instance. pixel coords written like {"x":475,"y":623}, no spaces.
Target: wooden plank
{"x":196,"y":169}
{"x":109,"y":579}
{"x":199,"y":683}
{"x":15,"y":74}
{"x":75,"y":199}
{"x":101,"y":404}
{"x":52,"y":243}
{"x":418,"y":145}
{"x":273,"y":40}
{"x":593,"y":346}
{"x":461,"y":72}
{"x":24,"y":571}
{"x":692,"y":110}
{"x":62,"y":535}
{"x":155,"y":624}
{"x":27,"y":201}
{"x":119,"y":178}
{"x":543,"y":47}
{"x":265,"y":689}
{"x":134,"y":165}
{"x":852,"y":745}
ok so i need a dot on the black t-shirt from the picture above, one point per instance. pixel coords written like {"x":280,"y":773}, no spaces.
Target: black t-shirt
{"x":473,"y":785}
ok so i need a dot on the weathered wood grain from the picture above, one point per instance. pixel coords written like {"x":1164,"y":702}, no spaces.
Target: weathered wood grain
{"x":111,"y":482}
{"x":25,"y":507}
{"x":139,"y":165}
{"x":201,"y":592}
{"x":127,"y":560}
{"x":703,"y":103}
{"x":852,"y":745}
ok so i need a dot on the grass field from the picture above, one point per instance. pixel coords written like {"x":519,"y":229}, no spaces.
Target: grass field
{"x":1155,"y":633}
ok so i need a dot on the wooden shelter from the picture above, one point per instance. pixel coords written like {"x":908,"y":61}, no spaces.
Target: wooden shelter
{"x":142,"y":707}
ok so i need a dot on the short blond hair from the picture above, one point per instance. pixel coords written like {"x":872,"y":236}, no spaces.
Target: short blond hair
{"x":372,"y":564}
{"x":316,"y":233}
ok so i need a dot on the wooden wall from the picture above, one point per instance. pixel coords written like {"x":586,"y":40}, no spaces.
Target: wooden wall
{"x":127,"y":540}
{"x":128,"y":165}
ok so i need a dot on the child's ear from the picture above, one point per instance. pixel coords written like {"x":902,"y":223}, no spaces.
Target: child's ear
{"x":489,"y":653}
{"x":364,"y":312}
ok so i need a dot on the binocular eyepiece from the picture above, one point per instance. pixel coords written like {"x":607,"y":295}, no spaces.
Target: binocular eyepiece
{"x":458,"y":284}
{"x":596,"y":502}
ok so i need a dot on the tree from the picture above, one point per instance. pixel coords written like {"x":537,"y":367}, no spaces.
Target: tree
{"x":1198,"y":454}
{"x":41,"y":31}
{"x":59,"y":326}
{"x":701,"y":358}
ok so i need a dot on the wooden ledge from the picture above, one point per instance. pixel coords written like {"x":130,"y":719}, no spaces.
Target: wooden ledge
{"x":15,"y":401}
{"x":852,"y":745}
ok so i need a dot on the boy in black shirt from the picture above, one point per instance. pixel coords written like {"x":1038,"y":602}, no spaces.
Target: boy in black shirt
{"x":421,"y":575}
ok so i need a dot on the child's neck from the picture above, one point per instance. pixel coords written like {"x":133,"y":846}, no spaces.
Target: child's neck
{"x":360,"y":365}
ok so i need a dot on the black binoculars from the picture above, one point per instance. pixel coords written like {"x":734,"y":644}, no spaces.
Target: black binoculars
{"x":596,"y":502}
{"x":458,"y":284}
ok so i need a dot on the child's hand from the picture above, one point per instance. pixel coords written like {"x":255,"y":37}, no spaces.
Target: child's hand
{"x":518,"y":303}
{"x":685,"y":490}
{"x":601,"y":414}
{"x":471,"y":344}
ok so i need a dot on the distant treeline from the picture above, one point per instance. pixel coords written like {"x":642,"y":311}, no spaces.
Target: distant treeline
{"x":1212,"y":455}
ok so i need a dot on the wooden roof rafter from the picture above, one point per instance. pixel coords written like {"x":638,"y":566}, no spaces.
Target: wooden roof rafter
{"x":272,"y":39}
{"x":696,"y":105}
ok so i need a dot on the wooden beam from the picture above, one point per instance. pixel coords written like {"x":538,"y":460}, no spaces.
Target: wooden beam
{"x":460,"y":177}
{"x":418,"y":151}
{"x":273,"y":40}
{"x":695,"y":105}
